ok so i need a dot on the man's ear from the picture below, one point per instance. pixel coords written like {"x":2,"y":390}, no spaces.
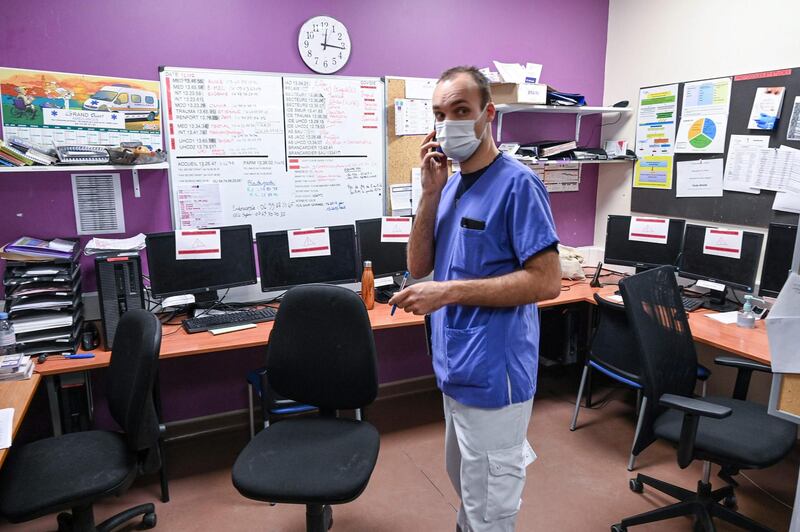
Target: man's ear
{"x":490,"y":112}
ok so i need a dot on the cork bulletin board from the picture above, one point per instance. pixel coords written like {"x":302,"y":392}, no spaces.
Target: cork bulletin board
{"x":789,"y":400}
{"x":402,"y":152}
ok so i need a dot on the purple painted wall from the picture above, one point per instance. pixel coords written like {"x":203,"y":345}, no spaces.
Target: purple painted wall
{"x":401,"y":38}
{"x":404,"y":38}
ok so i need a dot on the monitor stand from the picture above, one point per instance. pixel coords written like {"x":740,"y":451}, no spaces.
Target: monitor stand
{"x":716,"y":300}
{"x":202,"y":302}
{"x":384,"y":293}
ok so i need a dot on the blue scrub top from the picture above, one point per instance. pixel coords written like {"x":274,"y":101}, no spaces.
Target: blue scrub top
{"x":487,"y":357}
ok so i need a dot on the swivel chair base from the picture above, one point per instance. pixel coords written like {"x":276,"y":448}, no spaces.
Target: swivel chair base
{"x":82,"y":519}
{"x":703,"y":504}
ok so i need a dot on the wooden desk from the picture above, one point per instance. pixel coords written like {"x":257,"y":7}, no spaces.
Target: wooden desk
{"x":176,"y":342}
{"x":746,"y":343}
{"x":17,"y":395}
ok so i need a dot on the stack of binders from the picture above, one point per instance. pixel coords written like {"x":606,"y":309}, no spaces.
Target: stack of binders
{"x":43,"y":300}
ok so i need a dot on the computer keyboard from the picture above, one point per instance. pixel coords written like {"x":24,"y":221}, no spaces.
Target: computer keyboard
{"x":691,"y":303}
{"x":204,"y":323}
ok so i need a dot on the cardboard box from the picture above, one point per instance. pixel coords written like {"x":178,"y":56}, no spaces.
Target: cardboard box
{"x":535,"y":93}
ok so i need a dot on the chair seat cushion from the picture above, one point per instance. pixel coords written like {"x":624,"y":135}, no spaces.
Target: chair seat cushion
{"x":58,"y":473}
{"x":308,"y":461}
{"x":749,"y":437}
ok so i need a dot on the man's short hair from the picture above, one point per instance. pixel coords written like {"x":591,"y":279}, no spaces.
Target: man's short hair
{"x":479,"y":79}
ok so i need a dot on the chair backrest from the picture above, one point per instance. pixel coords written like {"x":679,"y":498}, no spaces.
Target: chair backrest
{"x":667,"y":354}
{"x":321,"y":350}
{"x":613,"y":343}
{"x":132,"y":375}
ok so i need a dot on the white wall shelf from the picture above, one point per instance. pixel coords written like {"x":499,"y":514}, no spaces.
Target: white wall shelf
{"x":83,"y":168}
{"x":562,"y":162}
{"x":579,"y":111}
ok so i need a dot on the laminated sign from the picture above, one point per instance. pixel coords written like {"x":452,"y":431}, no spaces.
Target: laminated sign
{"x":314,"y":242}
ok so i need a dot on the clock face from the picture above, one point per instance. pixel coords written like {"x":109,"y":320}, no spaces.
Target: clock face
{"x":324,"y":44}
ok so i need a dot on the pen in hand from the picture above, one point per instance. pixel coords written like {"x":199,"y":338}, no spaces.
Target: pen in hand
{"x":402,"y":285}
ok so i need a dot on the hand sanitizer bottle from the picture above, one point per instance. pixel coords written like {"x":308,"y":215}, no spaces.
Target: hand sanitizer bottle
{"x":746,"y":317}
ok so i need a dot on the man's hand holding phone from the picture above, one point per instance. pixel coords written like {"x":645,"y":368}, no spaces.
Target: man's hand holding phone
{"x":434,"y":165}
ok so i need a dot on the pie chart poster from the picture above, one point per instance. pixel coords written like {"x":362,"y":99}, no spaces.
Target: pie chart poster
{"x":703,"y":134}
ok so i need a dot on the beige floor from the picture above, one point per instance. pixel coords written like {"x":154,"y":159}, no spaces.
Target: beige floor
{"x":579,"y":482}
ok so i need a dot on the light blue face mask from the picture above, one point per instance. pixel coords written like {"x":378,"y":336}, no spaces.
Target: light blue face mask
{"x":457,"y":137}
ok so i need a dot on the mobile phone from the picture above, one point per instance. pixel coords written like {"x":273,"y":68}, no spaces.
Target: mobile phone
{"x":438,"y":149}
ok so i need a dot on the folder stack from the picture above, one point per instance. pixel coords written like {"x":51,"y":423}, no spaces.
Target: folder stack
{"x":43,"y":300}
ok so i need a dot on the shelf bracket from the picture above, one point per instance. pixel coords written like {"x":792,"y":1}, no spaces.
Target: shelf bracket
{"x":137,"y":191}
{"x":577,"y":128}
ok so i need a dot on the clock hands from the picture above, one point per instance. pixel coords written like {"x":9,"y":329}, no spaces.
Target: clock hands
{"x":325,"y":44}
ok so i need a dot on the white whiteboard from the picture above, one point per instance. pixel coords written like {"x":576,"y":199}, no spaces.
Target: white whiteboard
{"x":276,"y":151}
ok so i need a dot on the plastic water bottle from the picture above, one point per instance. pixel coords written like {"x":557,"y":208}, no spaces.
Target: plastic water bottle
{"x":8,"y":340}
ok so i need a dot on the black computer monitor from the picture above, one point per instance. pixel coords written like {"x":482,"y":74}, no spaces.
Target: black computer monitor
{"x":623,"y":251}
{"x":735,"y":273}
{"x":279,"y":272}
{"x":169,"y":277}
{"x":777,"y":258}
{"x":388,"y":258}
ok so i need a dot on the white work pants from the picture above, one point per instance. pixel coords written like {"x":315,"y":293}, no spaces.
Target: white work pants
{"x":487,"y":452}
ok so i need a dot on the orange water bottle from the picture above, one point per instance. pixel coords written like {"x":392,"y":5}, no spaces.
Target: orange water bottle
{"x":368,"y":285}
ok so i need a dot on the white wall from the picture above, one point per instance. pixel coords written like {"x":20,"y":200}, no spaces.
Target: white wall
{"x":653,"y":43}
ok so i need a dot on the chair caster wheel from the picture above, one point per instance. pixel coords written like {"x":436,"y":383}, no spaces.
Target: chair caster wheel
{"x":636,"y":485}
{"x":64,"y":522}
{"x":730,"y":502}
{"x":148,"y":521}
{"x":618,"y":528}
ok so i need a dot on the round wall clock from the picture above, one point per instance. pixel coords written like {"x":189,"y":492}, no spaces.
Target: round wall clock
{"x":324,"y":44}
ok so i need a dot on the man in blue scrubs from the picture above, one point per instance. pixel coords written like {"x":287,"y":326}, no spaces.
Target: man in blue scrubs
{"x":488,"y":235}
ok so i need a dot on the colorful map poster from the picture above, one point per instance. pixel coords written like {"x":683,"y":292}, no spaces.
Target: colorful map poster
{"x":55,"y":108}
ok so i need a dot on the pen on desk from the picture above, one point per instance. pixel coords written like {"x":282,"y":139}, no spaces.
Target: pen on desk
{"x":78,"y":355}
{"x":402,"y":285}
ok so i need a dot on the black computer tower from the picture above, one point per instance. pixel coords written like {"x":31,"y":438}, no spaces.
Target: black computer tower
{"x":120,"y":289}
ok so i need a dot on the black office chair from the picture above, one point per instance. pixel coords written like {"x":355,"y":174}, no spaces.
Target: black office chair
{"x":714,"y":429}
{"x":321,"y":352}
{"x":614,"y":353}
{"x":272,"y":404}
{"x":75,"y":470}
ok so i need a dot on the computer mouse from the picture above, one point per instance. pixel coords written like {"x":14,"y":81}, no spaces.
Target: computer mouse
{"x":41,"y":359}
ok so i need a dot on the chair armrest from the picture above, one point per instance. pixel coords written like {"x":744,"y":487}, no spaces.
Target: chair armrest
{"x":692,"y":410}
{"x":696,"y":407}
{"x":742,"y":363}
{"x":746,"y":368}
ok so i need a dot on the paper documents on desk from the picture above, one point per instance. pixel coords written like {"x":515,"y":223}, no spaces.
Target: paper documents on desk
{"x":6,"y":427}
{"x":782,"y":328}
{"x":724,"y":317}
{"x":101,"y":245}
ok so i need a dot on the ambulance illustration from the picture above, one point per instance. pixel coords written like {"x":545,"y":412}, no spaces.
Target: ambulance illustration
{"x":135,"y":104}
